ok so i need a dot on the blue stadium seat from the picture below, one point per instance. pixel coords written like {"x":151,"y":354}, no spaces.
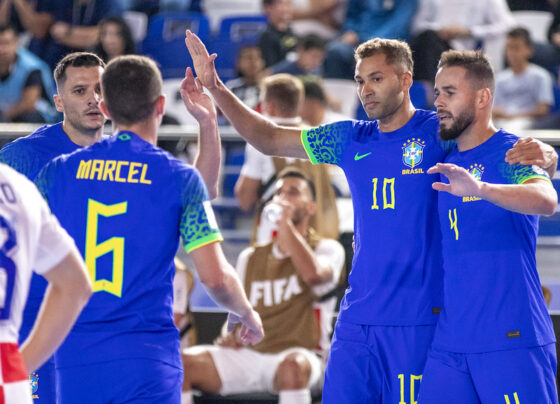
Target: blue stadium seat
{"x":165,"y":40}
{"x":234,"y":33}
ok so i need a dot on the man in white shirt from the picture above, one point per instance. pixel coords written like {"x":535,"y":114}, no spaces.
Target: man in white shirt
{"x":32,"y":240}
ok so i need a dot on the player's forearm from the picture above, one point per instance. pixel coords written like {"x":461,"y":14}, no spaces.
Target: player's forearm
{"x":536,"y":198}
{"x":62,"y":304}
{"x":209,"y":155}
{"x":226,"y":290}
{"x":36,"y":23}
{"x":79,"y":37}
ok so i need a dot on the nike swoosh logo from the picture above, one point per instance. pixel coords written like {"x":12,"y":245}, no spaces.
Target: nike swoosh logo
{"x":358,"y":157}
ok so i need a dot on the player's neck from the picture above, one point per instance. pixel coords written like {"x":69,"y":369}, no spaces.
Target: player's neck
{"x":147,"y":130}
{"x":81,"y":138}
{"x":476,"y":134}
{"x":398,"y":119}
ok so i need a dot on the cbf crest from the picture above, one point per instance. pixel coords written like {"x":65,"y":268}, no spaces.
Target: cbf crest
{"x":476,"y":170}
{"x":413,"y":152}
{"x":34,"y":383}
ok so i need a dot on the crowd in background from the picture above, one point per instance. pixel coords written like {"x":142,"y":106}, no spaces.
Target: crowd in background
{"x":301,"y":37}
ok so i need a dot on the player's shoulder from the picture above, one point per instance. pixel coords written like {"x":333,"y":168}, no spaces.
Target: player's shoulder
{"x":17,"y":182}
{"x":32,"y":141}
{"x":426,"y":121}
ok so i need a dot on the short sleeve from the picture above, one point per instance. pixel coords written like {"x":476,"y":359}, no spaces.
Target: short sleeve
{"x":257,"y":165}
{"x":53,"y":243}
{"x":45,"y":179}
{"x":518,"y":174}
{"x":329,"y":252}
{"x":198,"y":225}
{"x":12,"y":155}
{"x":326,"y":143}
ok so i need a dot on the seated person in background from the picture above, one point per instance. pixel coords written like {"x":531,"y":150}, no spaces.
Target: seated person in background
{"x":547,"y":295}
{"x":278,"y":39}
{"x":282,"y":95}
{"x":315,"y":107}
{"x":321,"y":17}
{"x":524,"y":90}
{"x":183,"y":285}
{"x":310,"y":55}
{"x":284,"y":281}
{"x":365,"y":20}
{"x":250,"y":65}
{"x":25,"y":82}
{"x":115,"y":39}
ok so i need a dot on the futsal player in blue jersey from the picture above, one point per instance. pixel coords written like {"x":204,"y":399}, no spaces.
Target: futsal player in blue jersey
{"x":388,"y":313}
{"x":77,"y":78}
{"x":126,"y":203}
{"x":494,"y":342}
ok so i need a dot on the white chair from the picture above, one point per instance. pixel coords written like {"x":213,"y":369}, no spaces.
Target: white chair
{"x":216,"y":10}
{"x":536,"y":22}
{"x":138,"y":23}
{"x":343,"y":91}
{"x":174,"y":106}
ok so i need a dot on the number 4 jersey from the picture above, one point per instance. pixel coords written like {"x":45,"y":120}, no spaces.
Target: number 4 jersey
{"x":126,"y":203}
{"x":396,"y":277}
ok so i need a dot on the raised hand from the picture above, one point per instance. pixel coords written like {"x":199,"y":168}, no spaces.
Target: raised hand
{"x":199,"y":105}
{"x":251,"y":327}
{"x":202,"y":61}
{"x":461,"y":183}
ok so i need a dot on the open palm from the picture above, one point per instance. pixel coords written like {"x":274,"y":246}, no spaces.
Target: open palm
{"x":202,"y":61}
{"x":199,"y":105}
{"x":461,"y":183}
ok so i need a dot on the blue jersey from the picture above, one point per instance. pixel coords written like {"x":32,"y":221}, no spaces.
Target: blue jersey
{"x":125,"y":203}
{"x":396,"y":276}
{"x":493,"y":296}
{"x":28,"y":155}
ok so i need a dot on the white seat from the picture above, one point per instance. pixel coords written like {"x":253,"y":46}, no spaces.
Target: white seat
{"x":174,"y":106}
{"x":138,"y":23}
{"x":216,"y":10}
{"x":343,"y":91}
{"x":536,"y":22}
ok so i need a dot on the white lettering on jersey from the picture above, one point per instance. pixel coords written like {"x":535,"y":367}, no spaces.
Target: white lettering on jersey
{"x":282,"y":290}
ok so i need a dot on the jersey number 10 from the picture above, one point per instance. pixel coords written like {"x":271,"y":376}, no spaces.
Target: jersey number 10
{"x":388,"y":193}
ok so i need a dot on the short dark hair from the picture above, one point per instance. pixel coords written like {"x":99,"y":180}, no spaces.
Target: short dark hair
{"x":285,"y":90}
{"x":293,"y":172}
{"x":311,"y":41}
{"x":76,"y":59}
{"x":7,"y":27}
{"x":131,"y":85}
{"x":396,"y":52}
{"x":476,"y":64}
{"x":521,"y":33}
{"x":314,"y":89}
{"x":268,"y":2}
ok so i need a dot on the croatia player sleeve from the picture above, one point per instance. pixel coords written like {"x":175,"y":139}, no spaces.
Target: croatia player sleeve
{"x":326,"y":143}
{"x":198,"y":225}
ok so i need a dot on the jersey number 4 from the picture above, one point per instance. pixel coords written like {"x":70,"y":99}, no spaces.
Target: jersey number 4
{"x":114,"y":245}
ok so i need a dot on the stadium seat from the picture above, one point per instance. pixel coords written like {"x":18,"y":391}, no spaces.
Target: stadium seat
{"x":165,"y":40}
{"x":138,"y":23}
{"x":536,"y":22}
{"x":217,"y":10}
{"x":234,"y":33}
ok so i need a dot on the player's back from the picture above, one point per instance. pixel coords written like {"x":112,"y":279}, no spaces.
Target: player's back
{"x":122,"y":200}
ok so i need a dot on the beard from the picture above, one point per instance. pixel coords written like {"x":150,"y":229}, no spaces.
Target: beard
{"x":460,"y":123}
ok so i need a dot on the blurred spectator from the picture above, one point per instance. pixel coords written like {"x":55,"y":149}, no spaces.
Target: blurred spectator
{"x":25,"y":82}
{"x":524,"y":90}
{"x":547,"y":295}
{"x":281,"y":98}
{"x":278,"y":39}
{"x":321,"y":17}
{"x":315,"y":107}
{"x":183,"y":285}
{"x":310,"y":53}
{"x":115,"y":39}
{"x":533,"y":5}
{"x":250,"y":65}
{"x":441,"y":25}
{"x":72,"y":26}
{"x":290,"y":283}
{"x":366,"y":20}
{"x":547,"y":54}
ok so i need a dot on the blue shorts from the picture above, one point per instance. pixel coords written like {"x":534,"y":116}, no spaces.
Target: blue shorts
{"x":376,"y":364}
{"x":517,"y":376}
{"x":43,"y":383}
{"x":120,"y":381}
